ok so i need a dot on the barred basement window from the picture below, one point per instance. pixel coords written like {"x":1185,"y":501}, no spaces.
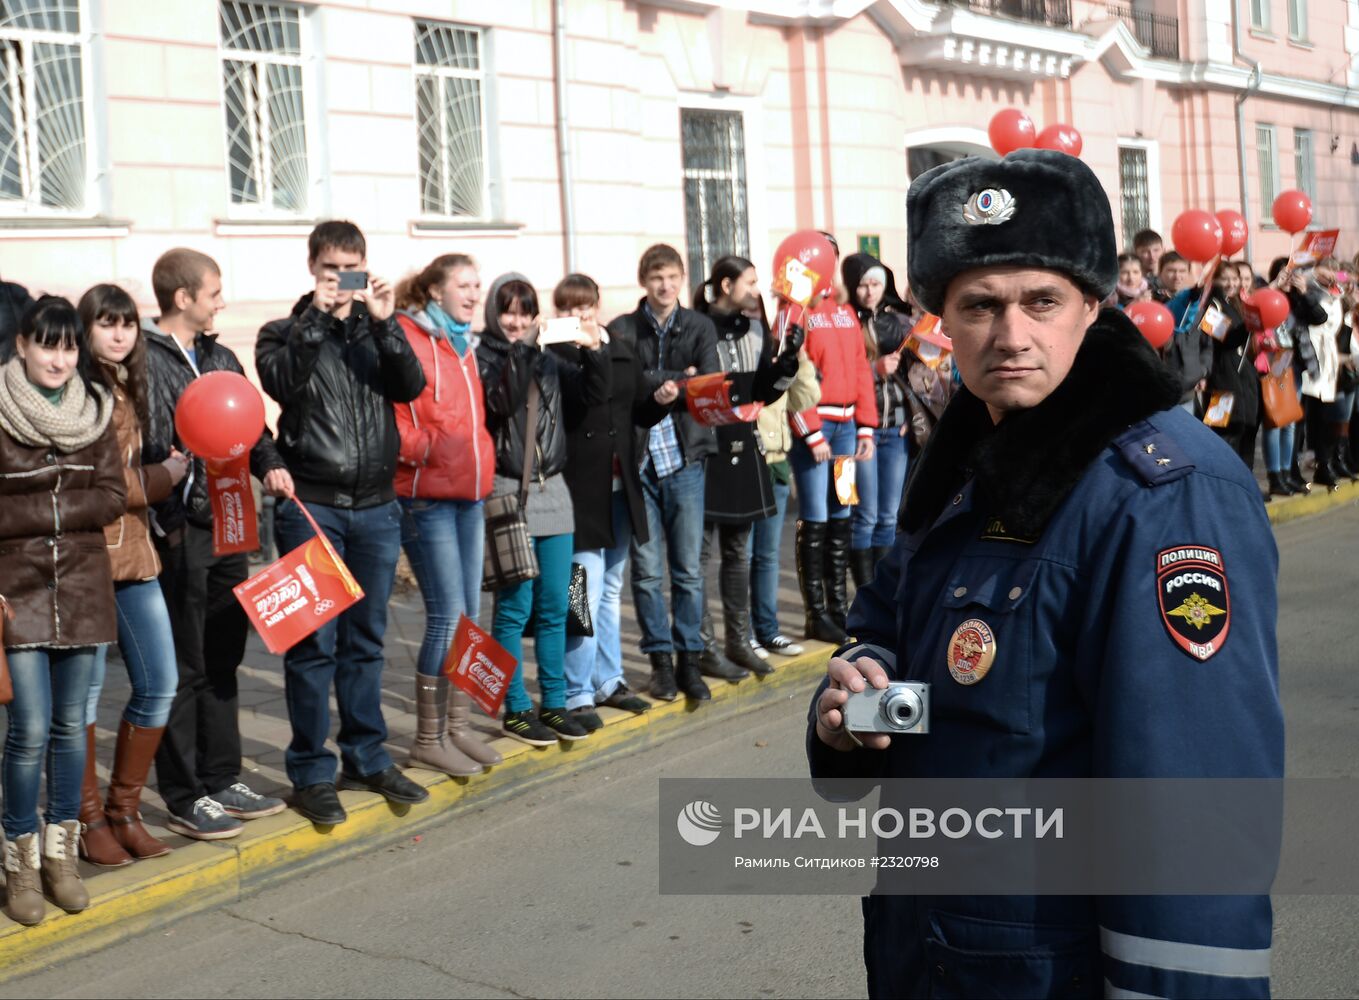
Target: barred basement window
{"x":714,"y":149}
{"x":450,"y":119}
{"x":1134,"y":192}
{"x":266,"y":135}
{"x":42,"y":107}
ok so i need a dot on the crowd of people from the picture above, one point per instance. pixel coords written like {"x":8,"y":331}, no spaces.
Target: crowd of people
{"x":398,"y":423}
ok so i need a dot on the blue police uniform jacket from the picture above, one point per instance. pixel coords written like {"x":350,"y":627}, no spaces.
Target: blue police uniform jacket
{"x":1084,"y":533}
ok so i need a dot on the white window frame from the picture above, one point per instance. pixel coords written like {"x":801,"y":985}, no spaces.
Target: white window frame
{"x":1153,"y":150}
{"x":30,"y":204}
{"x":1305,"y":160}
{"x":265,"y":209}
{"x":1297,"y":20}
{"x":489,"y":208}
{"x":752,"y":114}
{"x":1260,"y":8}
{"x":1269,"y":133}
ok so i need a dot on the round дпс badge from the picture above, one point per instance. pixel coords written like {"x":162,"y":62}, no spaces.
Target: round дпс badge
{"x":971,"y":651}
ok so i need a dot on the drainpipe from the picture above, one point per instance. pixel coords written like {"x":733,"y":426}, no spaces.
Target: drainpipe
{"x":1251,"y":88}
{"x":563,"y":139}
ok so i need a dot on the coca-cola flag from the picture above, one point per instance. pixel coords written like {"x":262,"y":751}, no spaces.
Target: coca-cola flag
{"x":479,"y":665}
{"x":235,"y":527}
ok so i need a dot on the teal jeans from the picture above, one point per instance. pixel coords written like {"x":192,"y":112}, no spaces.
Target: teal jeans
{"x":544,"y":601}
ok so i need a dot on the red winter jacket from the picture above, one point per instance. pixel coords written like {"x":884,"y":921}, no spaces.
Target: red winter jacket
{"x":446,"y":451}
{"x":835,"y":345}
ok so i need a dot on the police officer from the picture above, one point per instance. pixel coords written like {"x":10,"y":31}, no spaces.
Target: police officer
{"x":1084,"y":575}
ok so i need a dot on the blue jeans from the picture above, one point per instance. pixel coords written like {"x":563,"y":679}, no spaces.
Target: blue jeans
{"x":346,"y":651}
{"x":148,"y":648}
{"x":674,"y":520}
{"x":816,"y":499}
{"x":879,"y":484}
{"x":543,"y":600}
{"x":443,"y":540}
{"x":766,"y":536}
{"x":1342,"y":410}
{"x":594,"y":664}
{"x":46,"y":719}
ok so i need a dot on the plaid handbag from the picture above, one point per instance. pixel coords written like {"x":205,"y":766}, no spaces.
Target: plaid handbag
{"x":510,"y":558}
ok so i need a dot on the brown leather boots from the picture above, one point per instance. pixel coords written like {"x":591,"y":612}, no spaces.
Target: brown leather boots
{"x":112,"y":833}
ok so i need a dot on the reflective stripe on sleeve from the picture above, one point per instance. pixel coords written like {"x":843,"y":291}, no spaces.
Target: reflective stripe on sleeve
{"x":1177,"y":956}
{"x":1112,"y":992}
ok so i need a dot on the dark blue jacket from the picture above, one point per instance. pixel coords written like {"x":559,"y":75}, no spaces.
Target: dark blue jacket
{"x":1053,"y":528}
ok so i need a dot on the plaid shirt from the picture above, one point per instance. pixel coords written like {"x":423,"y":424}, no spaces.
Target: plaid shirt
{"x":663,"y":446}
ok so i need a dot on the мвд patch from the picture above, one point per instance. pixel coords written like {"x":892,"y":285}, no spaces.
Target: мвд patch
{"x":1191,"y":591}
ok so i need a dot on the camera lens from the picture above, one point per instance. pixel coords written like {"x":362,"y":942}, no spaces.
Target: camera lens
{"x":901,"y":709}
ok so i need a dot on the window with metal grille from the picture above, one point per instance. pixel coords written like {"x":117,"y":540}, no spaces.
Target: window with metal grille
{"x":1297,"y":19}
{"x":1304,"y":165}
{"x":450,"y":120}
{"x":266,"y":132}
{"x":1134,"y":188}
{"x":42,"y":107}
{"x":1259,"y":14}
{"x":1267,"y":153}
{"x":714,"y":150}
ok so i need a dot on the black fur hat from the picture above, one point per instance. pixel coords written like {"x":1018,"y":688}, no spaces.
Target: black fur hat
{"x":1033,"y":208}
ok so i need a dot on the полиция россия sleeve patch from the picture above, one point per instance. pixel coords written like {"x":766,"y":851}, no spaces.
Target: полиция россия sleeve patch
{"x":1191,"y":589}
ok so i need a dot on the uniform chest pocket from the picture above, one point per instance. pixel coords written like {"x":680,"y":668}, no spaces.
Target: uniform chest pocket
{"x":980,"y":645}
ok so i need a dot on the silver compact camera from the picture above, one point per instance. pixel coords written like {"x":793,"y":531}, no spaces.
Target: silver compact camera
{"x":901,"y":707}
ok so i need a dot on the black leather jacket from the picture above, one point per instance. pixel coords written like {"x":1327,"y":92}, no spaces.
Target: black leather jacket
{"x":168,"y":374}
{"x":506,"y":370}
{"x":336,"y":381}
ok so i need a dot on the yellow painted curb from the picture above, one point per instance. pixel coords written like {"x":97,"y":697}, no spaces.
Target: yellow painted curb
{"x":200,"y":876}
{"x":1320,"y":499}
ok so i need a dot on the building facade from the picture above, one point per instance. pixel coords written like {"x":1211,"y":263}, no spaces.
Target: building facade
{"x":548,"y":135}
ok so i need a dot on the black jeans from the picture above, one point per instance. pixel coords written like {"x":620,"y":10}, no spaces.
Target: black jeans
{"x":200,"y":753}
{"x":733,"y":544}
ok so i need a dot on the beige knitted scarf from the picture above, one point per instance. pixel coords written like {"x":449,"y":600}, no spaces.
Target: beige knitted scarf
{"x":75,"y":422}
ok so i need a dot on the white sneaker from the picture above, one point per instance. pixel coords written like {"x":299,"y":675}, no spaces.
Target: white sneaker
{"x":759,"y":650}
{"x":784,"y":646}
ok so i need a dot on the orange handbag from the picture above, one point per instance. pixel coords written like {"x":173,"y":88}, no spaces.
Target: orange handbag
{"x":1279,"y":394}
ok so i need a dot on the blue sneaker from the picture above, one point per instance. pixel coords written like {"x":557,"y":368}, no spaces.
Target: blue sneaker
{"x":207,"y":820}
{"x":243,"y":803}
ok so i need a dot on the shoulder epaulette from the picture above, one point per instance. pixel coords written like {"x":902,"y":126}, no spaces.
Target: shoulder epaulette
{"x":1153,"y":454}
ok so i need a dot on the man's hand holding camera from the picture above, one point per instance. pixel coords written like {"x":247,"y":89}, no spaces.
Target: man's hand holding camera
{"x":848,"y":678}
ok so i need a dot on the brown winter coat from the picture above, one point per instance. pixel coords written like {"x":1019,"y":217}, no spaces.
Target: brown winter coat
{"x":54,"y":564}
{"x":131,"y":550}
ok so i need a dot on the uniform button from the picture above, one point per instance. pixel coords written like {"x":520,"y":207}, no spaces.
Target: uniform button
{"x":960,"y":592}
{"x":51,"y":542}
{"x":612,"y":432}
{"x":1015,"y":592}
{"x":940,"y":971}
{"x":51,"y":584}
{"x":957,"y":500}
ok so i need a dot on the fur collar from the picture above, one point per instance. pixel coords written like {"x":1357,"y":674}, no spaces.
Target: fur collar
{"x":1025,"y":466}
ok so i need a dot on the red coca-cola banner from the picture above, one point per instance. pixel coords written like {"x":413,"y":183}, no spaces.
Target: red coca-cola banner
{"x":235,"y":527}
{"x":480,"y":666}
{"x":708,"y":398}
{"x":294,"y":596}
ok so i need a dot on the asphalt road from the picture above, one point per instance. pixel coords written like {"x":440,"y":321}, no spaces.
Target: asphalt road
{"x":555,"y":893}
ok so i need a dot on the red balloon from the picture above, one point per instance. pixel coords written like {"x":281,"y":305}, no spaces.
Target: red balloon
{"x":1063,"y":138}
{"x":1272,"y":305}
{"x":1196,"y":235}
{"x":804,"y":268}
{"x":220,"y":415}
{"x":1153,"y":321}
{"x":1009,"y":130}
{"x":1234,"y":231}
{"x":1293,"y":211}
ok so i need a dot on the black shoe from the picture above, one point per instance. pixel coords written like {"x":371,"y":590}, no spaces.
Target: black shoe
{"x":689,"y":678}
{"x":861,"y":563}
{"x":320,"y":804}
{"x":1279,"y":487}
{"x":390,"y":783}
{"x":662,"y":685}
{"x":712,"y":665}
{"x":526,"y":728}
{"x":563,"y":723}
{"x":626,"y":700}
{"x":1294,"y":479}
{"x":1344,"y":461}
{"x":588,"y":719}
{"x":823,"y":629}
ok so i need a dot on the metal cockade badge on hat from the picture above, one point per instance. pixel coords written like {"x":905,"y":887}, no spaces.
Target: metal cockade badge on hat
{"x":989,"y":208}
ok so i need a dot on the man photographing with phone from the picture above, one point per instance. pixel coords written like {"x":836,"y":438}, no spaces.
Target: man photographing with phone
{"x":336,"y":365}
